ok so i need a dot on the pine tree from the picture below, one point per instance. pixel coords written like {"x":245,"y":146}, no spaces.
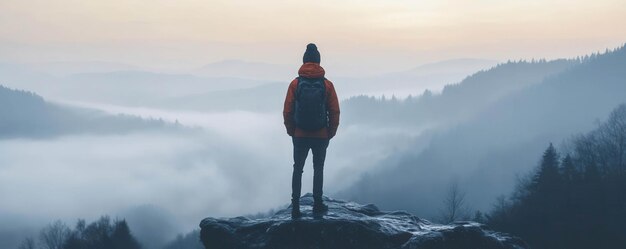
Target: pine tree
{"x":121,"y":237}
{"x":547,"y":177}
{"x":539,"y":211}
{"x":568,"y":170}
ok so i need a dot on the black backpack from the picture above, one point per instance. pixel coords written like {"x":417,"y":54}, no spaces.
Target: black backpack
{"x":310,"y":107}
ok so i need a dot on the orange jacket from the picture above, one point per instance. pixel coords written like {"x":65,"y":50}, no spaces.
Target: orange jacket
{"x":312,"y":70}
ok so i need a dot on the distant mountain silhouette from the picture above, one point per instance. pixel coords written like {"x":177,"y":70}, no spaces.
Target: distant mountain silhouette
{"x":66,"y":68}
{"x":349,"y":225}
{"x":459,"y":101}
{"x":264,"y":98}
{"x":433,"y":76}
{"x":143,"y":88}
{"x":247,"y":70}
{"x":128,"y":87}
{"x":451,"y":66}
{"x":120,"y":84}
{"x":499,"y":137}
{"x":272,"y":95}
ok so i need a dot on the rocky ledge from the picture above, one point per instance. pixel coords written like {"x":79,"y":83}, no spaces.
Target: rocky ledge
{"x":348,"y":225}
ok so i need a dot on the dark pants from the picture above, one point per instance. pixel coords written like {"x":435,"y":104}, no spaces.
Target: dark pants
{"x":301,"y":146}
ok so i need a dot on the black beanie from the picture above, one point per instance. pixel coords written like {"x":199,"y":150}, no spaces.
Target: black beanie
{"x":311,"y":54}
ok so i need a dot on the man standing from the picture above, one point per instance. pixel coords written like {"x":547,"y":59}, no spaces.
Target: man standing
{"x":311,"y":115}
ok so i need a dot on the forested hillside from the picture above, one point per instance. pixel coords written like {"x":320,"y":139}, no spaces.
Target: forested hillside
{"x":486,"y":153}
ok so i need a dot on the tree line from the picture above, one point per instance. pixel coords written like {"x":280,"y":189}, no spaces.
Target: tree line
{"x":575,"y":198}
{"x":101,"y":234}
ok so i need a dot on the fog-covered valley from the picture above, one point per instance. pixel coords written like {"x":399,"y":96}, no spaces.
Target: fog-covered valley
{"x":109,"y":147}
{"x":189,"y":146}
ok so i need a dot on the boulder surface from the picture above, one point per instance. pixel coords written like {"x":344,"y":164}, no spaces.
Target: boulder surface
{"x":348,"y":225}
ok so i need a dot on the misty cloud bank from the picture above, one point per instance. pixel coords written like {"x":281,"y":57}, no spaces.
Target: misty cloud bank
{"x":222,"y":164}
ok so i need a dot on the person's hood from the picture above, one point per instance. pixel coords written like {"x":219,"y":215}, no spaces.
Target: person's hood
{"x":311,"y":70}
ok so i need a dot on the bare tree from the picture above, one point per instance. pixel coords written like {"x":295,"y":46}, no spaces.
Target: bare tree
{"x":612,"y":136}
{"x":28,"y":243}
{"x":454,"y":205}
{"x":54,"y":235}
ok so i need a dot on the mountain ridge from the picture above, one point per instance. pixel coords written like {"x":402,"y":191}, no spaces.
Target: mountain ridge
{"x":26,"y":114}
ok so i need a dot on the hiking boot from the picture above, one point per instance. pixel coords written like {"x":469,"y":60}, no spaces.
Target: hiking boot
{"x":295,"y":210}
{"x":320,"y":207}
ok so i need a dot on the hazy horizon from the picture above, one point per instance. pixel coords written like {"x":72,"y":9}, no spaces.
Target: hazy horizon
{"x":354,"y":37}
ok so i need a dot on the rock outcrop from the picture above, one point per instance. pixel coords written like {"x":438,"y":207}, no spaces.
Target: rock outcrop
{"x":348,"y":225}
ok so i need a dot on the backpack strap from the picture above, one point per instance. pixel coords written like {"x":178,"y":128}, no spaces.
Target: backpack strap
{"x":300,"y":78}
{"x":297,"y":87}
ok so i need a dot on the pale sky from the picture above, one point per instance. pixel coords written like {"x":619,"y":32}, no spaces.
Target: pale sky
{"x":353,"y":36}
